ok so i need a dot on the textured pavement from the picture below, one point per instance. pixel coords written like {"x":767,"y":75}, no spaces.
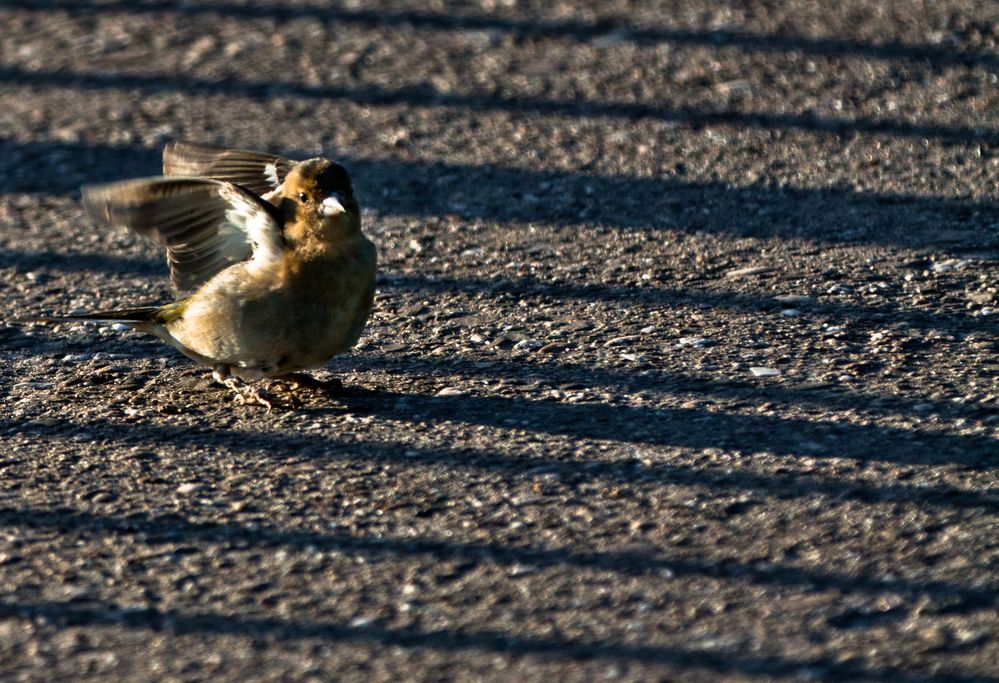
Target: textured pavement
{"x":683,"y":364}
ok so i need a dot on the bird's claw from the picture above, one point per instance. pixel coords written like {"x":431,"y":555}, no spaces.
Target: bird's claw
{"x":254,"y":396}
{"x":244,"y":395}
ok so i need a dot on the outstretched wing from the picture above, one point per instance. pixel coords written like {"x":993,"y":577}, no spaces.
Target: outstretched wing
{"x":258,"y":172}
{"x":206,"y":225}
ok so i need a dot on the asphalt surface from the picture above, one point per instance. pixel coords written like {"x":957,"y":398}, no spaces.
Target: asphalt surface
{"x":594,"y":220}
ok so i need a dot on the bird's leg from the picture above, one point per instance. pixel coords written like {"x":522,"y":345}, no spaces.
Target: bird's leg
{"x":245,"y":395}
{"x":332,"y":387}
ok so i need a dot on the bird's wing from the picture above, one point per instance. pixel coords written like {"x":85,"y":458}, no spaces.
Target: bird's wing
{"x":206,"y":225}
{"x":258,"y":172}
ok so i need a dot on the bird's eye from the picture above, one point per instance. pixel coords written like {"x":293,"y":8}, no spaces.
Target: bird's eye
{"x":302,"y":197}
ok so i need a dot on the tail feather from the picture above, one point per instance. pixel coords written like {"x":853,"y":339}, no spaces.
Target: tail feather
{"x":146,"y":314}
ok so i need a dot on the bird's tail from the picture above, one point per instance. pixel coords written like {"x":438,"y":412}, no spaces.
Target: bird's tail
{"x":146,"y":314}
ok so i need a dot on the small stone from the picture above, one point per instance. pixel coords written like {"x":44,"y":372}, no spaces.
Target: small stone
{"x":696,"y":342}
{"x":477,"y":339}
{"x":790,"y":312}
{"x":528,"y":344}
{"x":745,"y":272}
{"x":47,"y":421}
{"x":620,"y":341}
{"x":795,"y":299}
{"x":970,"y":637}
{"x":983,"y":297}
{"x":759,"y":371}
{"x":118,"y":327}
{"x":813,"y":384}
{"x":949,"y":265}
{"x":34,"y":385}
{"x":100,"y":355}
{"x":189,"y":487}
{"x":451,"y":391}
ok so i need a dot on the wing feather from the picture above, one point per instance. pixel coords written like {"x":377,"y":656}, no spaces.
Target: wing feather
{"x":206,"y":225}
{"x":258,"y":172}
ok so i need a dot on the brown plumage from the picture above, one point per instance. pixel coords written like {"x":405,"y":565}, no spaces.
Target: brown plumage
{"x":283,"y":277}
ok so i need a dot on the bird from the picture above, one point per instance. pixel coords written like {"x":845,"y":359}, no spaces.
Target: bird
{"x":282,"y":277}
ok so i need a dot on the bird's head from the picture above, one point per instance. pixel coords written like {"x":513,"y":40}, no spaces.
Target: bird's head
{"x":318,"y":198}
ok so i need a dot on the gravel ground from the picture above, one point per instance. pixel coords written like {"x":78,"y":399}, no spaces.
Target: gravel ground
{"x":683,"y":364}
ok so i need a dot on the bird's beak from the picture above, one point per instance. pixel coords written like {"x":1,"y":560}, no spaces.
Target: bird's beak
{"x":332,"y":206}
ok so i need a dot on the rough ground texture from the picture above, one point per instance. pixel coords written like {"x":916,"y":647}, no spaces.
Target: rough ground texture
{"x":593,"y":219}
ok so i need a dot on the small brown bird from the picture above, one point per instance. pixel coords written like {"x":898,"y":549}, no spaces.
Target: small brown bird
{"x":284,"y":278}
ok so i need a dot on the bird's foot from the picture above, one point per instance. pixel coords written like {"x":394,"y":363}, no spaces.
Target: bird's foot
{"x":245,"y":395}
{"x":254,"y":396}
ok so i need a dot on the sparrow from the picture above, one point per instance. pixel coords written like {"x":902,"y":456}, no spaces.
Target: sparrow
{"x":283,"y":279}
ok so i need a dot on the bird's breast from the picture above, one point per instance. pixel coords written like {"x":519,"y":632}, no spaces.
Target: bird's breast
{"x":296,"y":316}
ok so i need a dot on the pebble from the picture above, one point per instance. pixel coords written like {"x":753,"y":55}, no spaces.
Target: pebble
{"x":948,"y":265}
{"x":118,"y":327}
{"x":839,"y":289}
{"x":528,"y":344}
{"x":791,"y":312}
{"x":982,"y":297}
{"x":795,"y":299}
{"x":745,"y":272}
{"x":451,"y":391}
{"x":813,"y":384}
{"x":187,"y":488}
{"x":47,"y":422}
{"x":75,"y":358}
{"x":620,"y":341}
{"x":33,"y":385}
{"x":764,"y":372}
{"x":696,"y":342}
